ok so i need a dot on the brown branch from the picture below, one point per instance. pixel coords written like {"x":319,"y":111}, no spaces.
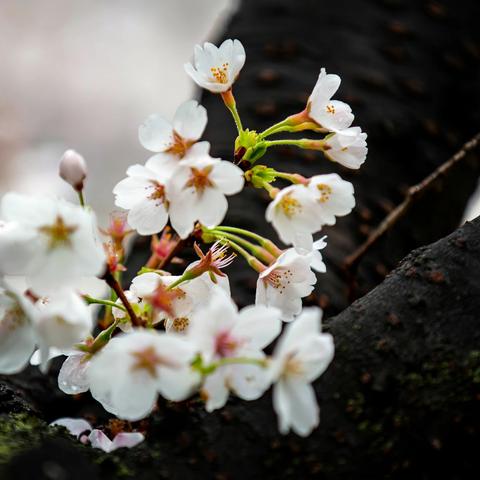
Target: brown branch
{"x":116,"y":287}
{"x":166,"y":260}
{"x":415,"y":192}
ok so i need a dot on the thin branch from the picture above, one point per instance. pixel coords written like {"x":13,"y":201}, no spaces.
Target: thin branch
{"x":115,"y":286}
{"x":352,"y":261}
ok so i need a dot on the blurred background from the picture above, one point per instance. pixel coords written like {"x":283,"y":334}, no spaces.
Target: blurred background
{"x":84,"y":75}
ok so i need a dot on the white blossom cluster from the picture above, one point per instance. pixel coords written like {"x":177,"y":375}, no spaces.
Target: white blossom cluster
{"x":174,"y":336}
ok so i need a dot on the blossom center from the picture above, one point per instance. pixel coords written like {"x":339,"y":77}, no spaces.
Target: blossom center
{"x":180,"y":145}
{"x":59,"y":233}
{"x":290,"y":206}
{"x":325,"y":192}
{"x":279,"y":278}
{"x":330,"y":109}
{"x":199,"y":179}
{"x":147,"y":360}
{"x":293,"y":366}
{"x":220,"y":74}
{"x":225,"y":344}
{"x":163,"y":299}
{"x":158,"y":193}
{"x":180,"y":324}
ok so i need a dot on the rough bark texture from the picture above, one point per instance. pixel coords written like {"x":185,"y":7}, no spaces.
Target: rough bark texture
{"x":401,"y":398}
{"x":399,"y":401}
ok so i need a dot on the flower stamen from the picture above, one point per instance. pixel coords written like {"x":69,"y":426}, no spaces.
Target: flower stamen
{"x":58,"y":234}
{"x":220,"y":74}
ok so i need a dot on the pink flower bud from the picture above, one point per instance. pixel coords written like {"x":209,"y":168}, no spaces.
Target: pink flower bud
{"x":73,"y":169}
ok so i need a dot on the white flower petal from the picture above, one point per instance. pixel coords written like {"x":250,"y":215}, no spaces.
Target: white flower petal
{"x":127,"y":440}
{"x":190,"y":120}
{"x":227,"y":177}
{"x":76,"y":426}
{"x":155,"y":134}
{"x":296,"y":407}
{"x":148,"y":217}
{"x":260,"y":324}
{"x":72,"y":378}
{"x":17,"y":340}
{"x":99,"y":440}
{"x":215,"y":390}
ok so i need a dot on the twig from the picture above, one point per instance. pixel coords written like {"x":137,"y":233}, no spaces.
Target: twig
{"x":156,"y":262}
{"x":166,"y":260}
{"x":113,"y":284}
{"x":352,"y":261}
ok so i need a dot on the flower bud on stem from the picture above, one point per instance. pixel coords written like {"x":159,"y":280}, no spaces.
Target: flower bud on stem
{"x":230,"y":103}
{"x":294,"y":123}
{"x":73,"y":170}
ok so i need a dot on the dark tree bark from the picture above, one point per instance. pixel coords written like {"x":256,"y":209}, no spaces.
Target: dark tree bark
{"x":400,"y":399}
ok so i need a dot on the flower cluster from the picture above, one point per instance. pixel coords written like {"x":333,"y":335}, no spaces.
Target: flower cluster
{"x":175,"y":336}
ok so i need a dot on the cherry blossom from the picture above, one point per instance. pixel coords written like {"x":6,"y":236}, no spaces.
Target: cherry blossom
{"x":159,"y":135}
{"x":17,"y":338}
{"x":128,"y":373}
{"x":143,"y":194}
{"x":302,"y":354}
{"x":61,"y":320}
{"x":330,"y":114}
{"x":177,"y":307}
{"x":222,"y":332}
{"x":293,"y":214}
{"x":216,"y":68}
{"x":347,"y":147}
{"x":198,"y":190}
{"x":51,"y":241}
{"x":284,"y":283}
{"x":333,"y":196}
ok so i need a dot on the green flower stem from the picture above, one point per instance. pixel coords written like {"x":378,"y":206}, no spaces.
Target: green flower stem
{"x":184,"y":278}
{"x":91,"y":301}
{"x":81,"y":198}
{"x":230,"y":103}
{"x":103,"y":337}
{"x":264,"y":242}
{"x":259,"y":252}
{"x":275,"y":143}
{"x":305,"y":143}
{"x":292,"y":177}
{"x":282,"y":126}
{"x":252,"y":261}
{"x":236,"y":361}
{"x":272,"y":191}
{"x":151,"y":270}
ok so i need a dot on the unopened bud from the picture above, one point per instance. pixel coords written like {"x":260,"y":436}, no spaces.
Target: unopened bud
{"x":73,"y":169}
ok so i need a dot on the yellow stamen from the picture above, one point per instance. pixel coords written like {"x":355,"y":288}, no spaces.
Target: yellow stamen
{"x":220,"y":74}
{"x":199,"y":178}
{"x":290,"y":205}
{"x":325,"y":192}
{"x":58,"y":234}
